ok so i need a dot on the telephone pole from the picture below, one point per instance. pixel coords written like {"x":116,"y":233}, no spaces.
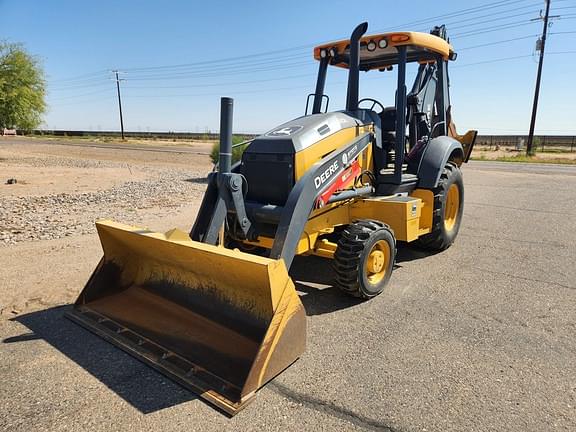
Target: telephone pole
{"x":115,"y":72}
{"x":539,"y":75}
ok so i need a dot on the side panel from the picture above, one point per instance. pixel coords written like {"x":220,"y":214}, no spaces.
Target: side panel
{"x":437,"y":153}
{"x":401,"y":213}
{"x":427,"y":213}
{"x":304,"y":159}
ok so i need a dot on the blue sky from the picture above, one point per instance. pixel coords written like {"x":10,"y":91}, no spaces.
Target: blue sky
{"x":179,"y":57}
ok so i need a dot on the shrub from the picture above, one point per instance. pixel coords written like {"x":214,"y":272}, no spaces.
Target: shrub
{"x":236,"y":151}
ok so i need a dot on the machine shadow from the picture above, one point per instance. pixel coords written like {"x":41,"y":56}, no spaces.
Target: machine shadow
{"x":314,"y":280}
{"x":139,"y":385}
{"x":409,"y":252}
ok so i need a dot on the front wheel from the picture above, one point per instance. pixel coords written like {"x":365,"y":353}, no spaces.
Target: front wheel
{"x":448,"y":209}
{"x":364,"y":258}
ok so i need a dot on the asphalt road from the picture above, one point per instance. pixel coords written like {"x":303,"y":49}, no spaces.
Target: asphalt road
{"x":480,"y":337}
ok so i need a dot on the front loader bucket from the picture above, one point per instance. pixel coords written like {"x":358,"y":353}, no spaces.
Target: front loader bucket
{"x":218,"y":321}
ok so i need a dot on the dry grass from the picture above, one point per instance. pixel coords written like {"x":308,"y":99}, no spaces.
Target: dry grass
{"x":504,"y":154}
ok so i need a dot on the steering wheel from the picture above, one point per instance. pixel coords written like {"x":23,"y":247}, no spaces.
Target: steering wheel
{"x":374,"y":103}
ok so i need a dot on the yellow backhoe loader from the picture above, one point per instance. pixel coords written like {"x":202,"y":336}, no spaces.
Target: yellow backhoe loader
{"x":215,"y":309}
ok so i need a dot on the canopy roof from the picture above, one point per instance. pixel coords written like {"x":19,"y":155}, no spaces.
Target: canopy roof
{"x":379,"y":51}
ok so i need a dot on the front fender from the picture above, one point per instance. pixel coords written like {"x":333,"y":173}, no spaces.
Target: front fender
{"x":436,"y":155}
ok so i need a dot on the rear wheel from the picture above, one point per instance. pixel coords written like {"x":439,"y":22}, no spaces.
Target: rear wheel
{"x":448,"y":208}
{"x":364,"y":258}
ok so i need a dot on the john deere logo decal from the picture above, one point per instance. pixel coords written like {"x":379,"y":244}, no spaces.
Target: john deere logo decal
{"x":285,"y":131}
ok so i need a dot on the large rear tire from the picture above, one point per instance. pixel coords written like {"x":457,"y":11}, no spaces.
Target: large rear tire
{"x":364,"y":258}
{"x":448,"y":209}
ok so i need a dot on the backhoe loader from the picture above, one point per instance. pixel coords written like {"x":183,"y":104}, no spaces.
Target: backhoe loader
{"x":215,"y":308}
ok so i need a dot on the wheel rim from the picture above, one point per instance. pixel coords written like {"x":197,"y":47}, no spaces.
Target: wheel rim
{"x":377,"y":262}
{"x":452,"y":207}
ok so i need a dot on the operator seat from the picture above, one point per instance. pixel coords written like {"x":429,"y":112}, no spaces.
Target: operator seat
{"x":388,"y":119}
{"x":388,"y":133}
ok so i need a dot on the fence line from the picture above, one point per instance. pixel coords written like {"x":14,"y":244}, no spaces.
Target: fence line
{"x":115,"y":134}
{"x":541,"y":142}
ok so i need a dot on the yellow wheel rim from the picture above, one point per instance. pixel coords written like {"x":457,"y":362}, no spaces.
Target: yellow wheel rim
{"x":452,"y":207}
{"x":377,"y":262}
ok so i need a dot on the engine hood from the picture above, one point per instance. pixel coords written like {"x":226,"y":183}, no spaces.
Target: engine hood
{"x":301,"y":133}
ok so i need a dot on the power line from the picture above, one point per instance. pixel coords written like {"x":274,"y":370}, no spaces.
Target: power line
{"x":498,"y":27}
{"x":79,"y":77}
{"x":233,"y":92}
{"x":244,"y":58}
{"x":100,"y":83}
{"x":238,"y":66}
{"x":521,"y":8}
{"x":531,"y":12}
{"x":228,"y":83}
{"x":268,"y":53}
{"x":492,"y":61}
{"x":82,"y":102}
{"x":309,"y":75}
{"x":237,"y":71}
{"x":240,"y":69}
{"x":449,"y":24}
{"x":222,"y":60}
{"x":496,"y":42}
{"x":228,"y":72}
{"x":467,"y":11}
{"x":271,"y":60}
{"x":332,"y":83}
{"x":81,"y":95}
{"x":306,"y":75}
{"x":307,"y":46}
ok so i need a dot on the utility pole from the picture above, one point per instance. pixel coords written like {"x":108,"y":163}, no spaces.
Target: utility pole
{"x":541,"y":46}
{"x":115,"y":72}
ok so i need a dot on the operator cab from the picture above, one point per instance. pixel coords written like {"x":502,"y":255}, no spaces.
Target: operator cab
{"x":424,"y":111}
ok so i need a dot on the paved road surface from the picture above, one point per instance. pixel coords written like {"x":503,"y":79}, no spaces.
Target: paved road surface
{"x":480,"y":337}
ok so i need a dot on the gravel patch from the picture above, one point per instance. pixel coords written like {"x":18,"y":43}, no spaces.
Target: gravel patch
{"x":52,"y":216}
{"x":40,"y":162}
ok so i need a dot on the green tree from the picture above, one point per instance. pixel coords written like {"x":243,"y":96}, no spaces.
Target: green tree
{"x":22,"y":88}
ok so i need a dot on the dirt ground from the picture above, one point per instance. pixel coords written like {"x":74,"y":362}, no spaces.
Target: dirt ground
{"x":151,"y":142}
{"x":477,"y":338}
